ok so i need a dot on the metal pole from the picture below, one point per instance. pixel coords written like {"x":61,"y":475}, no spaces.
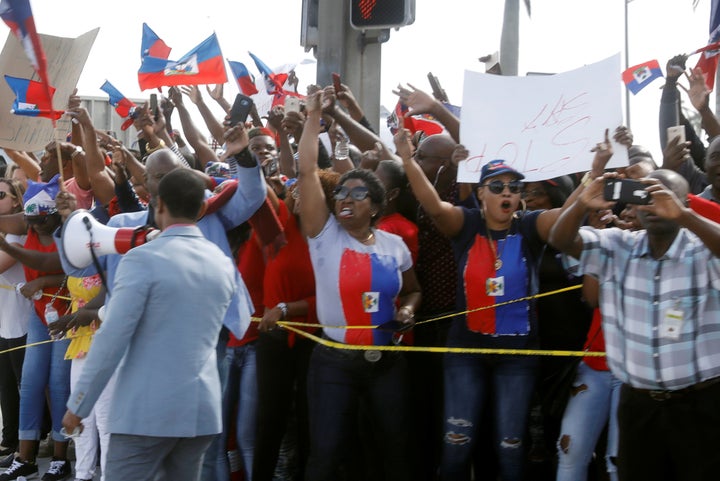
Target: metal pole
{"x":627,"y":64}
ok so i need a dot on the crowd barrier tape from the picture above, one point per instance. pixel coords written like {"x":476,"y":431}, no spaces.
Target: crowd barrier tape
{"x":294,"y":327}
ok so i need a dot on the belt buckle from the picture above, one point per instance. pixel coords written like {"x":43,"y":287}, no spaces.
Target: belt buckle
{"x":660,"y":395}
{"x":372,"y":355}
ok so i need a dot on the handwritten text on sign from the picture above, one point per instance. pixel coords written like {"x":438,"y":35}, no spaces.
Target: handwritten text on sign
{"x":544,"y":126}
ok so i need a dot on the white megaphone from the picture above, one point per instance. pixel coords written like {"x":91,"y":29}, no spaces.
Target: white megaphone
{"x":81,"y":233}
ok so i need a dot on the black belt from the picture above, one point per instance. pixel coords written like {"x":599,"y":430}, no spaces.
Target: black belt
{"x":662,"y":395}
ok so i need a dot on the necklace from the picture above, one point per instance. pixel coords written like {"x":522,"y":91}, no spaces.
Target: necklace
{"x":498,"y":261}
{"x":367,"y":239}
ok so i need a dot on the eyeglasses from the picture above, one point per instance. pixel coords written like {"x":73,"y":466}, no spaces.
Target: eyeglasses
{"x":498,"y":186}
{"x":356,"y":193}
{"x":4,"y":194}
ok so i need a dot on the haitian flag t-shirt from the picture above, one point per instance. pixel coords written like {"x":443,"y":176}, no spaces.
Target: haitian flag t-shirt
{"x":357,"y":284}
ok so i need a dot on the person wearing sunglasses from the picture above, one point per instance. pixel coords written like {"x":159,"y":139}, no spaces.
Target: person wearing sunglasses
{"x":363,"y":278}
{"x":496,"y":246}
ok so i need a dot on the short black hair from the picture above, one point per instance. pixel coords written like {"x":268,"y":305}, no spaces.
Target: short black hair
{"x":182,"y":192}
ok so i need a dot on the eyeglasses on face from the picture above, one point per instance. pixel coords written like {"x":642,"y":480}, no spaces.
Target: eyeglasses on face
{"x":359,"y":192}
{"x":498,"y":186}
{"x":4,"y":194}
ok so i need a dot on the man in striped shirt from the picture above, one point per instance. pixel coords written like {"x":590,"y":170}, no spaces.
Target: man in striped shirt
{"x":660,"y":301}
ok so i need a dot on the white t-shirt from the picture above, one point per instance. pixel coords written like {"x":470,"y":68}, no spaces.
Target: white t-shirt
{"x":357,"y":284}
{"x":15,"y":308}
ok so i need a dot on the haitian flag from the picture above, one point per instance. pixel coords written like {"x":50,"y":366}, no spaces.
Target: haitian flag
{"x":152,"y":45}
{"x":708,"y":62}
{"x":245,"y":81}
{"x":18,"y":15}
{"x":399,"y":119}
{"x":273,"y":82}
{"x":123,"y":106}
{"x":30,"y":98}
{"x":202,"y":65}
{"x":638,"y":77}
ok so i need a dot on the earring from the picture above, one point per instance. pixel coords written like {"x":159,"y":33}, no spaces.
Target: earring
{"x":517,"y":215}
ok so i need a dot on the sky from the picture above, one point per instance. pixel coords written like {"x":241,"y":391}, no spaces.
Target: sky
{"x":447,"y":37}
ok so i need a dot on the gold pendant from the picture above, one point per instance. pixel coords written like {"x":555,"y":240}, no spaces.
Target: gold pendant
{"x":498,"y":264}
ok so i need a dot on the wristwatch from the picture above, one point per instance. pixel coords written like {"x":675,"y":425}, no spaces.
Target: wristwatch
{"x":284,"y":309}
{"x":78,"y":150}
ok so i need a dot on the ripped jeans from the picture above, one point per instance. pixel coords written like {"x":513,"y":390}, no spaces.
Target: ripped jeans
{"x":586,"y":414}
{"x":469,"y":380}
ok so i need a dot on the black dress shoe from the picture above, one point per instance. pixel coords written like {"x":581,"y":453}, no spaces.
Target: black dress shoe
{"x":7,"y":460}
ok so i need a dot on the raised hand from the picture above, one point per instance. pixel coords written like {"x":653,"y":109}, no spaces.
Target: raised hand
{"x":664,"y":203}
{"x":603,"y":151}
{"x":698,"y":92}
{"x":193,"y":93}
{"x":275,"y":117}
{"x":459,"y":153}
{"x":675,"y":153}
{"x":216,"y":93}
{"x":403,"y":144}
{"x":419,"y":102}
{"x":623,"y":136}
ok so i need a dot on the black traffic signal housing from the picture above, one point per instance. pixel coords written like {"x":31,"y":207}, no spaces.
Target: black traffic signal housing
{"x":373,"y":14}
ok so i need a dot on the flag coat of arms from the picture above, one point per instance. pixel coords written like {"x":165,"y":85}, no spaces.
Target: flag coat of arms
{"x":640,"y":76}
{"x":202,"y":65}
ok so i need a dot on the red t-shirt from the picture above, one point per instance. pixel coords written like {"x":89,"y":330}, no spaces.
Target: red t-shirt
{"x":62,"y":306}
{"x":289,"y":276}
{"x":251,"y":265}
{"x":596,"y":343}
{"x":401,"y":226}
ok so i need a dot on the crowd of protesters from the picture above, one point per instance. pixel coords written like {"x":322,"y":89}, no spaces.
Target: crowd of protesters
{"x":379,"y":247}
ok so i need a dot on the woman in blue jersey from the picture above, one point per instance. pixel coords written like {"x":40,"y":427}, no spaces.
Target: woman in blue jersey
{"x":364,"y":278}
{"x":497,"y":247}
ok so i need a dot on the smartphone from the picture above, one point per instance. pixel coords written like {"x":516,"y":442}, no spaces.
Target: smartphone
{"x":240,"y":109}
{"x":336,"y":82}
{"x":626,"y":190}
{"x":292,"y":104}
{"x":676,"y":131}
{"x":154,"y":105}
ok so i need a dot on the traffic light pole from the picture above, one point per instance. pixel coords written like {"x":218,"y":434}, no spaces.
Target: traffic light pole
{"x":355,"y":55}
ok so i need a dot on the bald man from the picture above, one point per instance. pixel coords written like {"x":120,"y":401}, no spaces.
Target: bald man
{"x":660,"y":302}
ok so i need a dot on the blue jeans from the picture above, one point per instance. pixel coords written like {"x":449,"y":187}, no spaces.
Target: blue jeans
{"x":215,"y":463}
{"x":585,"y":416}
{"x":45,"y":366}
{"x":338,"y":381}
{"x":469,"y":379}
{"x":242,"y":394}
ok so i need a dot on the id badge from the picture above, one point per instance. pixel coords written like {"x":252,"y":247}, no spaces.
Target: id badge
{"x":495,"y":286}
{"x":671,"y":325}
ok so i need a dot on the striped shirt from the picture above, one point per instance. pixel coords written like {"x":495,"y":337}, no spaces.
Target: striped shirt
{"x":636,"y":293}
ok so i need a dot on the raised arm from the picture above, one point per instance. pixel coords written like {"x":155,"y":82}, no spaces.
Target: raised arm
{"x":25,"y":162}
{"x":211,"y":122}
{"x":204,"y":153}
{"x":313,"y":209}
{"x":447,"y":217}
{"x":423,"y":103}
{"x":286,"y":159}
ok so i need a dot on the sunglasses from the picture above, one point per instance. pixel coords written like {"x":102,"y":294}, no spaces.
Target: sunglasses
{"x":4,"y":194}
{"x":498,"y":186}
{"x":356,"y":193}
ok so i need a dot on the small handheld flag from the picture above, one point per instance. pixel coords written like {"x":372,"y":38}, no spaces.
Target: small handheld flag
{"x":640,"y":76}
{"x":30,"y":99}
{"x":152,"y":45}
{"x":123,"y":106}
{"x":245,"y":81}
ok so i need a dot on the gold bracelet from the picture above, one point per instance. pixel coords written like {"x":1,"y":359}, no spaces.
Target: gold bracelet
{"x":159,"y":146}
{"x":586,"y":179}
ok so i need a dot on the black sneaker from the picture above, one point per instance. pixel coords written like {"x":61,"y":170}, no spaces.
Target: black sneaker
{"x":19,"y":468}
{"x":59,"y":469}
{"x":6,"y":461}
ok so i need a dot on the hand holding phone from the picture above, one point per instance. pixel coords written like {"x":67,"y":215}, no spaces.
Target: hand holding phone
{"x":676,"y":131}
{"x":292,"y":104}
{"x":154,"y":106}
{"x":240,"y":109}
{"x":626,"y":190}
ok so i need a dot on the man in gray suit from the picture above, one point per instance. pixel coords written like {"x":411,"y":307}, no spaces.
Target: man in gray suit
{"x":160,"y":332}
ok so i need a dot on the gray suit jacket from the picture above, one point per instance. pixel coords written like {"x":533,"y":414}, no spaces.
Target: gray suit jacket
{"x":160,"y":331}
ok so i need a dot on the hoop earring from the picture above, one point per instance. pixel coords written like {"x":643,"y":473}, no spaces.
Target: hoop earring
{"x":524,"y":208}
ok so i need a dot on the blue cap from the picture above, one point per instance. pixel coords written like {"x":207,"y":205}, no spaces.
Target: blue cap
{"x":498,"y":167}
